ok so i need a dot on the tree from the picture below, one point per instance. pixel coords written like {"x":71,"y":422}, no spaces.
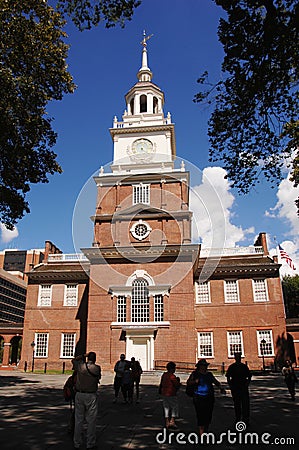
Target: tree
{"x":254,"y":127}
{"x":86,"y":14}
{"x":33,"y":72}
{"x":290,"y":287}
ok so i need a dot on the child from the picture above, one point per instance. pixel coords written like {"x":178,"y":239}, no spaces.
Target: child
{"x":168,"y":388}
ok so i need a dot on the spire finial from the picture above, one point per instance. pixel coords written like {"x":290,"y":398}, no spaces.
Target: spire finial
{"x":145,"y":38}
{"x":144,"y":73}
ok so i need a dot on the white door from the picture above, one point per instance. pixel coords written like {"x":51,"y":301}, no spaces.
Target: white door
{"x":139,"y":349}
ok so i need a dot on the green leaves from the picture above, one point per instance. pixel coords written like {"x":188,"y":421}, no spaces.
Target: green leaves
{"x":86,"y":14}
{"x":33,"y":72}
{"x":290,"y":287}
{"x":253,"y":129}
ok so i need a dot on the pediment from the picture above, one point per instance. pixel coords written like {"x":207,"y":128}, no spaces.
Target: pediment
{"x":140,"y":209}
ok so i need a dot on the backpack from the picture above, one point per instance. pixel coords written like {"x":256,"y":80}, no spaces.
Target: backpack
{"x":69,"y":388}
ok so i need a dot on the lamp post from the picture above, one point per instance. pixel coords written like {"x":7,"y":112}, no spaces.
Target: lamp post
{"x":32,"y":346}
{"x":263,"y":342}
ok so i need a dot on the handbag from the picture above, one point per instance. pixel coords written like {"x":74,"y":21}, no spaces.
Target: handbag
{"x":190,"y":390}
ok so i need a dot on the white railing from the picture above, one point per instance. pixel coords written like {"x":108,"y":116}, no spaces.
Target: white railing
{"x":234,"y":251}
{"x":138,"y":123}
{"x":60,"y":257}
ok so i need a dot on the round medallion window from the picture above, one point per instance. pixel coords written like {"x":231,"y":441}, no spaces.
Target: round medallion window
{"x":140,"y":230}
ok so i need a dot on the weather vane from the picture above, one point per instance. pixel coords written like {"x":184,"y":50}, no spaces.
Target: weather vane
{"x":145,"y":38}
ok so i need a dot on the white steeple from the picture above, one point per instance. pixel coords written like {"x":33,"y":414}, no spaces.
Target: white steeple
{"x":144,"y":73}
{"x":144,"y":139}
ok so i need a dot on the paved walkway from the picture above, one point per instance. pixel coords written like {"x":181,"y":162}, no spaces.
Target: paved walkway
{"x":34,"y":416}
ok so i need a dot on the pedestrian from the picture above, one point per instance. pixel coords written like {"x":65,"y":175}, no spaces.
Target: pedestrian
{"x":127,"y":384}
{"x":203,"y":394}
{"x":119,"y":370}
{"x":86,"y":400}
{"x":136,"y":375}
{"x":168,"y":388}
{"x":238,"y":377}
{"x":290,"y":378}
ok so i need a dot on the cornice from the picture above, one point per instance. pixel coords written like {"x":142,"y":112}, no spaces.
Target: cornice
{"x":237,"y":268}
{"x":112,"y":179}
{"x":125,"y":216}
{"x":58,"y":274}
{"x":144,"y":254}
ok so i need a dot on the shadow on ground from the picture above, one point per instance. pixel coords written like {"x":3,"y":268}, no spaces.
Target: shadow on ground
{"x":34,"y":416}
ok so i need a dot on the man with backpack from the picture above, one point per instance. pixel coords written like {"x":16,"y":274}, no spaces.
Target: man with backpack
{"x":86,"y":401}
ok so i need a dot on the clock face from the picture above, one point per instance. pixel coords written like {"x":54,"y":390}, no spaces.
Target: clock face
{"x":141,"y":150}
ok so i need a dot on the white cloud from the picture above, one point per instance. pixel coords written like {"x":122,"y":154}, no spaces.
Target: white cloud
{"x":286,"y":210}
{"x":285,"y":207}
{"x":211,"y":203}
{"x":8,"y":235}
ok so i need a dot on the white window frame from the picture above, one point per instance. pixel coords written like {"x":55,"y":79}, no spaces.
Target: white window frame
{"x":202,"y":334}
{"x":226,"y":293}
{"x":66,"y":288}
{"x":268,"y":336}
{"x":140,"y":305}
{"x":257,"y":291}
{"x":230,"y":335}
{"x":158,"y":308}
{"x":41,"y":348}
{"x":121,"y":308}
{"x":202,"y":292}
{"x":63,"y":339}
{"x":43,"y":299}
{"x":141,"y":194}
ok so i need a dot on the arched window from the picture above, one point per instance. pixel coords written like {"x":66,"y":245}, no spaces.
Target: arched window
{"x":143,"y":103}
{"x":140,"y":301}
{"x":132,"y":106}
{"x":155,"y":105}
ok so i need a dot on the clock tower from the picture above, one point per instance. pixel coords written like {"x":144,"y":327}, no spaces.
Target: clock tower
{"x":144,"y":139}
{"x":141,"y":298}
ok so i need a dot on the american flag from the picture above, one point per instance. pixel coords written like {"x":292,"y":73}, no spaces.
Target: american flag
{"x":284,"y":255}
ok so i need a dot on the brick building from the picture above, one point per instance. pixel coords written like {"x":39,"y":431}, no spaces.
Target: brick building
{"x":13,"y":290}
{"x":143,"y":288}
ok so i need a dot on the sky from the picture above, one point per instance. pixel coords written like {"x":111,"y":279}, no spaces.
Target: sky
{"x":104,"y":64}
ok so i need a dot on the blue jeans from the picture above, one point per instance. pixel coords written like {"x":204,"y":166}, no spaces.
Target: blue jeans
{"x":86,"y":407}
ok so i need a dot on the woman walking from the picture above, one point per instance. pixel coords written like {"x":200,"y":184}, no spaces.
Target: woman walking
{"x":203,"y":394}
{"x":168,"y":388}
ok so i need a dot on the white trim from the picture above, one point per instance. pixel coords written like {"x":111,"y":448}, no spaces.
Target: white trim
{"x":162,"y":289}
{"x":144,"y":193}
{"x":198,"y":344}
{"x":65,"y":296}
{"x":140,"y":274}
{"x":39,"y":295}
{"x":225,"y":291}
{"x":63,"y":334}
{"x":137,"y":224}
{"x":269,"y":331}
{"x":254,"y":292}
{"x":197,"y":296}
{"x":140,"y":325}
{"x":228,"y":342}
{"x":47,"y":344}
